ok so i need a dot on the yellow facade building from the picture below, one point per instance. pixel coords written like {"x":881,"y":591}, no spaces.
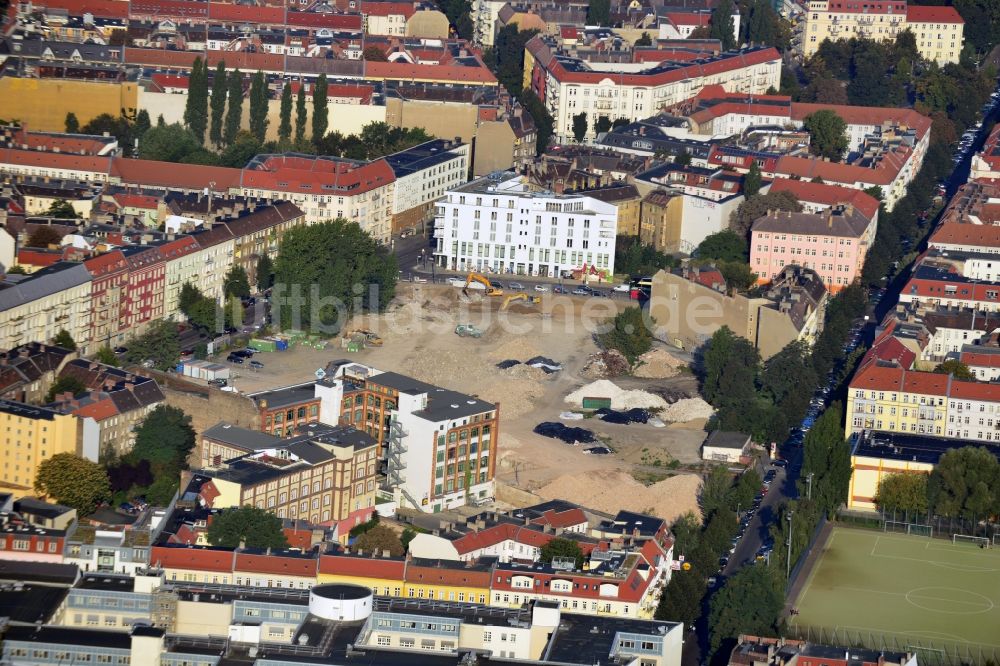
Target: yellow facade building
{"x":29,"y":436}
{"x":938,"y":30}
{"x":42,"y":104}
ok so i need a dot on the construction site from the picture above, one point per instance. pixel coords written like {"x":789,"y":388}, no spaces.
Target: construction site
{"x":535,"y":355}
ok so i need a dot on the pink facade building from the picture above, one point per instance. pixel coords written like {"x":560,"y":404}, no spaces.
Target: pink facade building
{"x":834,"y":243}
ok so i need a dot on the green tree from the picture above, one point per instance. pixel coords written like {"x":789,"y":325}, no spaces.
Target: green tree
{"x":904,"y":493}
{"x":544,"y":123}
{"x":236,"y":282}
{"x":248,"y":527}
{"x":265,"y":273}
{"x":746,"y":488}
{"x":243,"y":147}
{"x":955,"y":367}
{"x":118,"y":127}
{"x":285,"y":116}
{"x":805,"y":515}
{"x":826,"y":456}
{"x":258,"y":106}
{"x":64,"y":339}
{"x":218,"y":104}
{"x":681,"y":598}
{"x":599,"y":13}
{"x":107,"y":356}
{"x":737,"y":274}
{"x":752,"y":181}
{"x":320,"y":120}
{"x":602,"y":125}
{"x":62,"y":210}
{"x":619,"y":122}
{"x":319,"y":265}
{"x":373,"y":54}
{"x":234,"y":107}
{"x":73,"y":481}
{"x":560,"y":547}
{"x":159,"y":344}
{"x":508,"y":56}
{"x":755,"y":207}
{"x":196,"y":103}
{"x":723,"y":246}
{"x":749,"y":603}
{"x":730,"y":365}
{"x":165,"y":438}
{"x":188,"y":297}
{"x":300,"y":113}
{"x":722,"y":27}
{"x":72,"y":124}
{"x":142,"y":124}
{"x":827,"y":134}
{"x":635,"y":258}
{"x":716,"y":491}
{"x":170,"y":143}
{"x":644,"y":40}
{"x":580,"y":126}
{"x":630,"y":333}
{"x":379,"y":539}
{"x":65,"y":384}
{"x":964,"y":484}
{"x":43,"y":236}
{"x":787,"y":379}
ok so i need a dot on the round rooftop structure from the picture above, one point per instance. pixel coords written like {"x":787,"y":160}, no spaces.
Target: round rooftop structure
{"x":339,"y":602}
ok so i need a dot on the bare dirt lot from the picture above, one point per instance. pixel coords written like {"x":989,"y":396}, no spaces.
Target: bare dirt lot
{"x":419,"y":340}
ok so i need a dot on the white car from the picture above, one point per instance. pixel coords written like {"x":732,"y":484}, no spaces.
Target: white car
{"x":417,"y":278}
{"x":456,"y":282}
{"x":541,"y":288}
{"x":622,"y":288}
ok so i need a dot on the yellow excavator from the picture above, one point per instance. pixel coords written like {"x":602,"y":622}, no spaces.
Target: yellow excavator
{"x":520,"y":297}
{"x":483,"y":280}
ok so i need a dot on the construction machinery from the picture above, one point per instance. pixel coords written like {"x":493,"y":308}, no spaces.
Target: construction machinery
{"x":371,"y":339}
{"x":534,"y":300}
{"x":483,"y":280}
{"x":467,"y":331}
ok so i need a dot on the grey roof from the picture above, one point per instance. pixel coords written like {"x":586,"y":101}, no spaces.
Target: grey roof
{"x":36,"y":507}
{"x":244,"y":438}
{"x":66,"y":636}
{"x":59,"y":277}
{"x":422,"y":156}
{"x":442,"y":403}
{"x":835,"y":221}
{"x":289,"y":395}
{"x":26,"y":411}
{"x":725,"y":439}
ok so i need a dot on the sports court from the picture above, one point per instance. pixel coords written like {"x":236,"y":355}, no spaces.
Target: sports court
{"x":904,"y":591}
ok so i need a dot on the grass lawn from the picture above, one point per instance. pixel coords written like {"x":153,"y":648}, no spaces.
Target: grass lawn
{"x":903,"y":592}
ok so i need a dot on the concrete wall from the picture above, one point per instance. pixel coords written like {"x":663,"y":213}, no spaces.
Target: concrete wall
{"x":44,"y":103}
{"x":343,"y":118}
{"x":427,"y":24}
{"x":494,"y":149}
{"x":441,"y":119}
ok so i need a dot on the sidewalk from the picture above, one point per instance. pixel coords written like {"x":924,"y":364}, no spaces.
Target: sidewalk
{"x":442,"y":275}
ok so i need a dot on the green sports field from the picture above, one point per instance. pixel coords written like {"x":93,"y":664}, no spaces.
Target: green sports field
{"x":899,"y":591}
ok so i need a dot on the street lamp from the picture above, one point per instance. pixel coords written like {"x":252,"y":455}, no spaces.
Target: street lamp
{"x":788,"y":561}
{"x":809,"y":486}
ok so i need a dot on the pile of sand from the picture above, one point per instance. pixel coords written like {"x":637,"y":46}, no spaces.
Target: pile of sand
{"x":687,"y":409}
{"x":620,"y":398}
{"x":657,"y":364}
{"x":613,"y":490}
{"x":610,"y":363}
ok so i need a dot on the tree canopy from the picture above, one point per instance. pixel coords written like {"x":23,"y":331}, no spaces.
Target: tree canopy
{"x":65,"y":340}
{"x":827,"y":457}
{"x":65,"y":384}
{"x":965,"y":484}
{"x":749,"y":603}
{"x":827,"y":134}
{"x":758,"y":206}
{"x":43,"y":236}
{"x":560,"y":547}
{"x":723,"y":245}
{"x":62,"y":209}
{"x":236,"y":283}
{"x":959,"y":370}
{"x":903,"y":492}
{"x":378,"y":539}
{"x":722,"y":26}
{"x":165,"y":437}
{"x":196,"y":102}
{"x":72,"y":124}
{"x":320,"y":120}
{"x":217,"y":104}
{"x":638,"y":259}
{"x":331,"y":270}
{"x":258,"y":106}
{"x":73,"y":481}
{"x":580,"y":126}
{"x":246,"y":526}
{"x":285,"y":114}
{"x":159,"y":344}
{"x":599,"y":13}
{"x":630,"y":333}
{"x":234,"y":106}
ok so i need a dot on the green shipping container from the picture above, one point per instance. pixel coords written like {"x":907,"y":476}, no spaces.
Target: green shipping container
{"x":597,"y":403}
{"x":262,"y":345}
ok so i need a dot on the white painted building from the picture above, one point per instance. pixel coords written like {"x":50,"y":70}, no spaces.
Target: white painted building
{"x":495,"y":224}
{"x":425,"y":172}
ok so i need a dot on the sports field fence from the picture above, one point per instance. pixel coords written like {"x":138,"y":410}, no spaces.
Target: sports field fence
{"x":922,"y":524}
{"x":929,"y":652}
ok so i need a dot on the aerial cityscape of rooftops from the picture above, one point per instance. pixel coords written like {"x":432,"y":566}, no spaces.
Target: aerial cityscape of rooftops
{"x":464,"y":332}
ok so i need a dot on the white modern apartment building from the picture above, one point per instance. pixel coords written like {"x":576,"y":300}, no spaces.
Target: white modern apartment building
{"x":439,"y":446}
{"x":494,"y":224}
{"x":568,"y":85}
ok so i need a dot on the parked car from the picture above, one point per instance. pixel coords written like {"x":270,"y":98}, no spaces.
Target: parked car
{"x":121,"y":350}
{"x":622,"y":288}
{"x":218,"y":382}
{"x":233,"y":358}
{"x":581,"y":291}
{"x":541,"y":288}
{"x":558,"y":290}
{"x":780,"y":463}
{"x":516,"y":286}
{"x":256,"y":365}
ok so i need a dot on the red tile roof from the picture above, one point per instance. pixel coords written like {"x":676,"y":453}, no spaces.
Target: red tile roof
{"x":407,"y":72}
{"x":362,"y":566}
{"x":866,"y":115}
{"x":297,"y":538}
{"x":890,"y":349}
{"x":689,"y":18}
{"x":84,"y":163}
{"x":165,"y":81}
{"x":106,"y":264}
{"x":226,"y":11}
{"x":360,"y":91}
{"x":975,"y":235}
{"x":880,"y":378}
{"x":195,"y":558}
{"x":980,"y":360}
{"x":168,"y":174}
{"x":922,"y":14}
{"x":99,"y":8}
{"x":178,"y":8}
{"x":447,"y":575}
{"x":276,"y":564}
{"x":386,"y":8}
{"x":807,"y":168}
{"x":31,"y":257}
{"x":827,"y":195}
{"x":100,"y":410}
{"x":291,"y":173}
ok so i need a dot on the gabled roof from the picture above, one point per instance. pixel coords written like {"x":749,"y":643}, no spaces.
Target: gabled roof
{"x":362,"y":566}
{"x":827,"y":195}
{"x":866,"y":115}
{"x":169,"y":174}
{"x":975,"y":235}
{"x":807,"y":168}
{"x":922,"y":14}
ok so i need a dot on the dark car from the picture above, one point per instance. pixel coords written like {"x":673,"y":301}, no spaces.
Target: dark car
{"x":558,"y":290}
{"x":242,"y":353}
{"x":233,"y":358}
{"x":516,"y":286}
{"x":581,"y":291}
{"x":121,"y":350}
{"x":497,"y":283}
{"x":256,"y":365}
{"x":218,"y":382}
{"x":780,"y":463}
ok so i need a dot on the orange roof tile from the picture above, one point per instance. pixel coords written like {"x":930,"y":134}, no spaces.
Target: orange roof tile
{"x":957,"y":233}
{"x":922,"y":14}
{"x":827,"y":195}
